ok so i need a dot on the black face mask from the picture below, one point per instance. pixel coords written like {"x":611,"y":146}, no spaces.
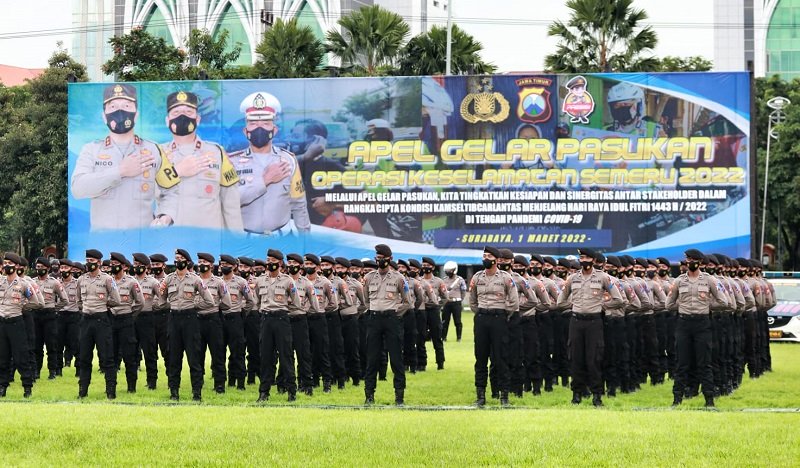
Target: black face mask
{"x":741,"y":274}
{"x":693,"y":266}
{"x":662,"y":273}
{"x":116,"y":269}
{"x":504,"y":266}
{"x":536,"y":271}
{"x":341,"y":274}
{"x":245,"y":274}
{"x":181,"y":265}
{"x":355,"y":275}
{"x":488,"y":263}
{"x":258,"y":273}
{"x":139,"y":270}
{"x":624,"y":114}
{"x":120,"y":121}
{"x":639,"y":274}
{"x":156,"y":270}
{"x":9,"y":269}
{"x":612,"y":273}
{"x":21,"y":271}
{"x":519,"y":271}
{"x":182,"y":125}
{"x":587,"y":265}
{"x":451,"y":274}
{"x":311,"y":270}
{"x":326,"y":271}
{"x":427,"y":270}
{"x":76,"y":275}
{"x":293,"y":269}
{"x":412,"y":274}
{"x":42,"y":271}
{"x":260,"y":137}
{"x":651,"y":274}
{"x":710,"y":270}
{"x":562,"y":274}
{"x":204,"y":268}
{"x":65,"y":274}
{"x":273,"y":266}
{"x":382,"y":262}
{"x":547,"y":271}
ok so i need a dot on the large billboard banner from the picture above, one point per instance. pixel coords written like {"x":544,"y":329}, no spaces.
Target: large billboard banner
{"x":646,"y":164}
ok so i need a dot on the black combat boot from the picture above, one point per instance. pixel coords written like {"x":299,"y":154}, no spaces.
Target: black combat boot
{"x":709,"y":401}
{"x":480,"y":401}
{"x":398,"y":397}
{"x":262,"y":397}
{"x":197,"y":396}
{"x":370,"y":399}
{"x":504,"y":398}
{"x":3,"y":392}
{"x":83,"y":391}
{"x":576,"y":398}
{"x":26,"y":392}
{"x":597,"y":400}
{"x":173,"y":394}
{"x":326,"y":387}
{"x":292,"y":396}
{"x":677,"y":399}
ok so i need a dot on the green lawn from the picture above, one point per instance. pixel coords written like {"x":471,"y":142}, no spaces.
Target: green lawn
{"x":639,"y":429}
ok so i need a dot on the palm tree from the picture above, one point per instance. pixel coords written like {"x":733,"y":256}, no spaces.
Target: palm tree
{"x":602,"y":35}
{"x":369,"y":39}
{"x":288,"y":51}
{"x":425,"y":54}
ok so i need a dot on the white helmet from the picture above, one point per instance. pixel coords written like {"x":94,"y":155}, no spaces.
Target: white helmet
{"x":378,"y":123}
{"x":625,"y":92}
{"x":260,"y":105}
{"x":450,"y":266}
{"x":622,"y":113}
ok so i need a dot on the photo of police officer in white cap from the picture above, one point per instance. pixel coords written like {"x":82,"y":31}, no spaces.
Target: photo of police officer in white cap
{"x":273,"y":198}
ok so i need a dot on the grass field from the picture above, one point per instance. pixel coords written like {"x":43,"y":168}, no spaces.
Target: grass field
{"x":755,"y":426}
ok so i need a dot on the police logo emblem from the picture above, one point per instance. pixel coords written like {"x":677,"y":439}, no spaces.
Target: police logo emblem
{"x":181,"y":97}
{"x":485,"y":106}
{"x":259,"y":102}
{"x":534,"y":100}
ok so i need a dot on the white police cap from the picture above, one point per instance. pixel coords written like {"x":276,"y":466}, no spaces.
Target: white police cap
{"x":260,"y":106}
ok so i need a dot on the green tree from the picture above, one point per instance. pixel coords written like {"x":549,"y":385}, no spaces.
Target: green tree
{"x":209,"y":55}
{"x":140,"y":56}
{"x":33,"y":156}
{"x":425,"y":54}
{"x":370,"y":38}
{"x":676,"y":64}
{"x":289,"y":51}
{"x":602,"y":35}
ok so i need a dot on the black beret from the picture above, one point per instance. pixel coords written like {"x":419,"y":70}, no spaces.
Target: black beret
{"x":401,"y":262}
{"x":327,"y":258}
{"x":106,"y":263}
{"x":550,"y":261}
{"x":42,"y":261}
{"x":23,"y":261}
{"x":631,"y":261}
{"x":521,"y":260}
{"x":414,"y":263}
{"x":743,"y":261}
{"x":506,"y":254}
{"x":119,"y":257}
{"x":119,"y":91}
{"x":734,"y":263}
{"x":141,"y":258}
{"x":93,"y":253}
{"x":711,"y":258}
{"x":652,"y":261}
{"x":65,"y":261}
{"x":492,"y":250}
{"x":663,"y":261}
{"x":13,"y":258}
{"x":393,"y":264}
{"x":259,"y":262}
{"x":537,"y":258}
{"x":564,"y":263}
{"x":184,"y":253}
{"x":312,"y":258}
{"x":694,"y":254}
{"x":587,"y":251}
{"x":206,"y":256}
{"x":79,"y":266}
{"x":161,"y":258}
{"x":641,"y":261}
{"x":370,"y":264}
{"x":614,"y":261}
{"x":383,"y":249}
{"x":756,"y":264}
{"x":229,"y":259}
{"x":429,"y":261}
{"x":296,"y":257}
{"x":54,"y":261}
{"x":345,"y":262}
{"x":575,"y":265}
{"x":247,"y":261}
{"x":599,"y":257}
{"x":275,"y":253}
{"x":356,"y":262}
{"x":181,"y":98}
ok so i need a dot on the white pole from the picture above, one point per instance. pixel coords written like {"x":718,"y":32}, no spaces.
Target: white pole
{"x":448,"y":57}
{"x":766,"y":183}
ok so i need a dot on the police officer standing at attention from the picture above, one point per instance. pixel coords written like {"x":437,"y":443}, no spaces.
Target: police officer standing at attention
{"x":232,"y":321}
{"x":68,"y":316}
{"x":336,"y":339}
{"x":349,"y":315}
{"x":274,"y":292}
{"x":318,"y":325}
{"x":44,"y":319}
{"x":13,"y":337}
{"x":437,"y":296}
{"x":692,"y":293}
{"x":456,"y":292}
{"x":492,"y":295}
{"x":181,"y":289}
{"x":123,"y":331}
{"x":208,"y":315}
{"x":387,"y":291}
{"x":143,"y":322}
{"x":298,"y":316}
{"x":586,"y":291}
{"x":98,"y":293}
{"x":252,"y":323}
{"x":160,"y":307}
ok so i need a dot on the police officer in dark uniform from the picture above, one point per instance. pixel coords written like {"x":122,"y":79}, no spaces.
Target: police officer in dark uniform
{"x":318,"y":335}
{"x":160,"y":307}
{"x":13,"y":337}
{"x":212,"y":333}
{"x":252,"y":323}
{"x":144,"y":321}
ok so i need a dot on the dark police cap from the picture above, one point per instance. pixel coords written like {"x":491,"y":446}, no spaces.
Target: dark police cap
{"x":184,"y":253}
{"x":743,"y":262}
{"x":393,"y":264}
{"x":492,"y":250}
{"x":370,"y":264}
{"x":327,"y":258}
{"x":521,"y":260}
{"x":119,"y":91}
{"x":733,"y":263}
{"x":206,"y":256}
{"x":430,"y":261}
{"x":694,"y":254}
{"x":711,"y":258}
{"x":575,"y":82}
{"x":623,"y":261}
{"x":507,"y":254}
{"x":42,"y":261}
{"x":275,"y":253}
{"x":13,"y":258}
{"x":296,"y":257}
{"x":614,"y":260}
{"x":161,"y":258}
{"x":118,"y":257}
{"x":631,"y":260}
{"x":383,"y":249}
{"x":537,"y":258}
{"x":141,"y":258}
{"x":94,"y":253}
{"x":79,"y":266}
{"x":106,"y":263}
{"x":564,"y":263}
{"x":663,"y":261}
{"x":400,"y":262}
{"x":599,"y":257}
{"x":414,"y":263}
{"x":230,"y":259}
{"x":312,"y":258}
{"x":641,"y":261}
{"x":756,"y":264}
{"x":65,"y":261}
{"x":587,"y":251}
{"x":652,"y":261}
{"x":575,"y":265}
{"x":181,"y":98}
{"x":23,"y":261}
{"x":259,"y":262}
{"x":345,"y":262}
{"x":550,"y":261}
{"x":247,"y":261}
{"x":357,"y":263}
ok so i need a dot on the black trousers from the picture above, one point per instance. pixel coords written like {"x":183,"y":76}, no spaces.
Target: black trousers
{"x":123,"y":334}
{"x":452,"y":309}
{"x":547,"y":358}
{"x":750,"y":343}
{"x":693,"y":344}
{"x":634,"y":349}
{"x":14,"y":345}
{"x":145,"y":328}
{"x":184,"y":337}
{"x":491,"y":331}
{"x":161,"y":326}
{"x":233,"y":333}
{"x":302,"y":350}
{"x":649,"y":347}
{"x":30,"y":330}
{"x":320,"y":349}
{"x":362,"y":335}
{"x":661,"y":334}
{"x":276,"y":343}
{"x":410,"y":339}
{"x":384,"y":329}
{"x":46,"y":335}
{"x":560,"y":340}
{"x":513,"y":354}
{"x":766,"y":355}
{"x":672,"y":355}
{"x":211,"y":338}
{"x":530,"y":351}
{"x":252,"y":333}
{"x":336,"y":345}
{"x":615,"y":365}
{"x":586,"y":350}
{"x":352,"y":353}
{"x":69,"y":325}
{"x":434,"y":324}
{"x":96,"y":333}
{"x":421,"y":316}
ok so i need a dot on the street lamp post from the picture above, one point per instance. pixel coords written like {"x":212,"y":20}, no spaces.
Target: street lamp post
{"x":777,"y":104}
{"x":449,"y":53}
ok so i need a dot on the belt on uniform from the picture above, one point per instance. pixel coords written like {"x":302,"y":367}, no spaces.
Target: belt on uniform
{"x":348,"y":317}
{"x":335,"y":313}
{"x":718,"y":315}
{"x":382,"y":313}
{"x":231,"y":314}
{"x":209,"y":315}
{"x":274,"y":313}
{"x":454,"y":300}
{"x":17,"y":318}
{"x":161,"y":312}
{"x":284,"y":230}
{"x":316,"y":316}
{"x":297,"y":318}
{"x":693,"y":316}
{"x":95,"y":315}
{"x":186,"y":312}
{"x":44,"y":311}
{"x":588,"y":316}
{"x":122,"y":316}
{"x":491,"y":312}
